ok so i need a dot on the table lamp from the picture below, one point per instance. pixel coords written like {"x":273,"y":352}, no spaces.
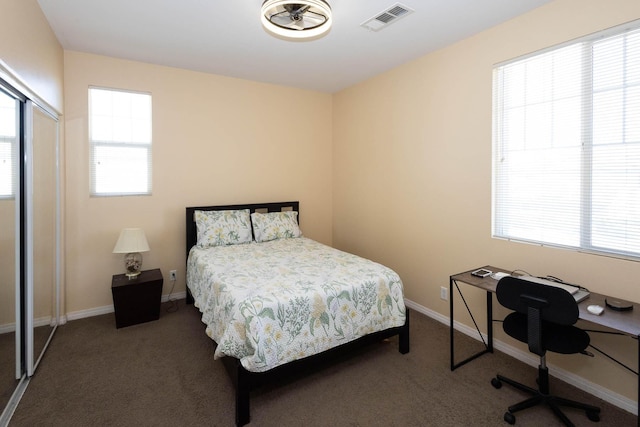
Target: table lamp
{"x":131,"y":242}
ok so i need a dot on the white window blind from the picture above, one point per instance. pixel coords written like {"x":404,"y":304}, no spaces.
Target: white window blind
{"x":9,"y":134}
{"x":566,"y":145}
{"x":120,"y":138}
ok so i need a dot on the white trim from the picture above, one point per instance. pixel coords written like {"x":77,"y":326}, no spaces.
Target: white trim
{"x":18,"y":290}
{"x":592,"y":37}
{"x":29,"y":238}
{"x":7,"y":328}
{"x":18,"y":84}
{"x":607,"y":395}
{"x":98,"y":311}
{"x":6,"y":415}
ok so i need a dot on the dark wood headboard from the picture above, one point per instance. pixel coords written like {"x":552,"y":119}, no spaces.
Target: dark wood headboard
{"x":192,"y":231}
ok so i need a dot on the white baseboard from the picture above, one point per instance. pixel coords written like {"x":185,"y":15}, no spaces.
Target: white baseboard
{"x":75,"y":315}
{"x":526,"y":357}
{"x":8,"y":328}
{"x":42,"y":321}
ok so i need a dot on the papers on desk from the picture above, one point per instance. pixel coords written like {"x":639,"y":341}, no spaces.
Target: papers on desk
{"x":578,"y":294}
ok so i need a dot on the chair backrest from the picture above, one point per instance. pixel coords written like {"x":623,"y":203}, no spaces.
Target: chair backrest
{"x":555,"y":305}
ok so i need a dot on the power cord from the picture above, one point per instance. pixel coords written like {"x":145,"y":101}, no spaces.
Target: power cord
{"x":172,"y":307}
{"x":522,"y":272}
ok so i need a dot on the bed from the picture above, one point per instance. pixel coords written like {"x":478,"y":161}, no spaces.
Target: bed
{"x":276,"y":303}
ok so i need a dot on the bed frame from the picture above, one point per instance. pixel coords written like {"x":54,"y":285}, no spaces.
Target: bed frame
{"x":244,"y":380}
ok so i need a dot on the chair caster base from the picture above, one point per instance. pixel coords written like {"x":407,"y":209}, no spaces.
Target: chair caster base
{"x":540,"y":397}
{"x":593,"y":416}
{"x":509,"y":418}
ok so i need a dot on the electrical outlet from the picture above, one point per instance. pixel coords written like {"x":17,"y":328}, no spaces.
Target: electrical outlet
{"x":172,"y":275}
{"x":443,"y":293}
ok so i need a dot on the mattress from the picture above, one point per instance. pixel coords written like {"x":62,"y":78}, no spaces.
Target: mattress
{"x":270,"y":303}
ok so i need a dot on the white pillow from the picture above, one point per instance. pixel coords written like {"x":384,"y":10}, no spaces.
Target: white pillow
{"x":222,"y":228}
{"x":275,"y":225}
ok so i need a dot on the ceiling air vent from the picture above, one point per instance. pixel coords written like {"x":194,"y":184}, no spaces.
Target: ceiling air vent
{"x":387,"y":17}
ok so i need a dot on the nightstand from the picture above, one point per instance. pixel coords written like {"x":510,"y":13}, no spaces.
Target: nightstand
{"x":137,"y":300}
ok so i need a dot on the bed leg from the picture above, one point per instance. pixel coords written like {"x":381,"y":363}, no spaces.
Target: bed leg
{"x":190,"y":299}
{"x":403,"y":345}
{"x":243,"y":389}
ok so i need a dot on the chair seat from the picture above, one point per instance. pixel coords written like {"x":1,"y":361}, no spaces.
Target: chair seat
{"x":564,"y":339}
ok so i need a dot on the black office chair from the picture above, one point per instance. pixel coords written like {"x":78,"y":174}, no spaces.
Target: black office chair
{"x":543,"y":318}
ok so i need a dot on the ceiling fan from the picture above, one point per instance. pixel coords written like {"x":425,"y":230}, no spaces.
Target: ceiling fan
{"x":296,"y":18}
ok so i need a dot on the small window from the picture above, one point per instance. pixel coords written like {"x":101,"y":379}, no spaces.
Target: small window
{"x":566,"y":153}
{"x":120,"y":138}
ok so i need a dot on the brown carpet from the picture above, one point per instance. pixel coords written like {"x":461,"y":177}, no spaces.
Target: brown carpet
{"x":8,"y":380}
{"x":163,"y":373}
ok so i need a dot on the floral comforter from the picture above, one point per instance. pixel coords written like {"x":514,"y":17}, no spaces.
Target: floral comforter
{"x":269,"y":303}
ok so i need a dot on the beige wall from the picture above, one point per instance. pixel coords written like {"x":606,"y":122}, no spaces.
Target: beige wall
{"x":407,"y":181}
{"x":216,"y":140}
{"x":29,"y":48}
{"x":412,"y":172}
{"x":31,"y":57}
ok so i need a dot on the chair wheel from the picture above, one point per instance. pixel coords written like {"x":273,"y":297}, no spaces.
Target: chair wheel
{"x":593,"y":416}
{"x":510,"y":418}
{"x":496,"y":382}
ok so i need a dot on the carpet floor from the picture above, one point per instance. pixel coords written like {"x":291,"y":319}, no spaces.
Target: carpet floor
{"x":162,"y":373}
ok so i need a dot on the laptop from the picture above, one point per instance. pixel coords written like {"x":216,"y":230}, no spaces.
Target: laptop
{"x":578,"y":293}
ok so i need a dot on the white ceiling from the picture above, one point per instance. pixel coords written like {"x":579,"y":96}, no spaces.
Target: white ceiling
{"x":227,"y":38}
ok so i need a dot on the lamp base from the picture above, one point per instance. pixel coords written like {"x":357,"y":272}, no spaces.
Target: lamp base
{"x":133,"y":264}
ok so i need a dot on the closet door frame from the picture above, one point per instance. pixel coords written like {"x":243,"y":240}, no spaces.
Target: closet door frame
{"x":32,"y":359}
{"x":19,"y":265}
{"x":25,"y":360}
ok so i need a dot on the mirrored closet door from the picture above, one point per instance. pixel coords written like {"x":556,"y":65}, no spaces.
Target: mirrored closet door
{"x":29,"y":240}
{"x":11,"y":366}
{"x":43,"y":240}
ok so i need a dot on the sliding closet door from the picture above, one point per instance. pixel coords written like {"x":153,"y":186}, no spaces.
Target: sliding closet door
{"x":43,"y":232}
{"x":11,"y":367}
{"x":29,"y":237}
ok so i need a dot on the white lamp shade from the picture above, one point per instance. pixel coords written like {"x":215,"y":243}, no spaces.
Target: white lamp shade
{"x":131,"y":240}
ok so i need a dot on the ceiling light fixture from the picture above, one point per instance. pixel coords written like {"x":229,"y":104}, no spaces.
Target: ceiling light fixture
{"x":296,"y":19}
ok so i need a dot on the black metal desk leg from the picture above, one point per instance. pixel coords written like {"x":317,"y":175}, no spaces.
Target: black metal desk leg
{"x":451,"y":321}
{"x":488,"y":348}
{"x":490,"y":322}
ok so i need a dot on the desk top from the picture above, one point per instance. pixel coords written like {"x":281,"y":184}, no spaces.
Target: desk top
{"x":623,"y":321}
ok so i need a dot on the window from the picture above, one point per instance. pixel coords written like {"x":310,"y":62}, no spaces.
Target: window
{"x":566,"y":145}
{"x":9,"y":139}
{"x":120,"y":138}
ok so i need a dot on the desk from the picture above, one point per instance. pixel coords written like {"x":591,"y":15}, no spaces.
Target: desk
{"x":626,"y":322}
